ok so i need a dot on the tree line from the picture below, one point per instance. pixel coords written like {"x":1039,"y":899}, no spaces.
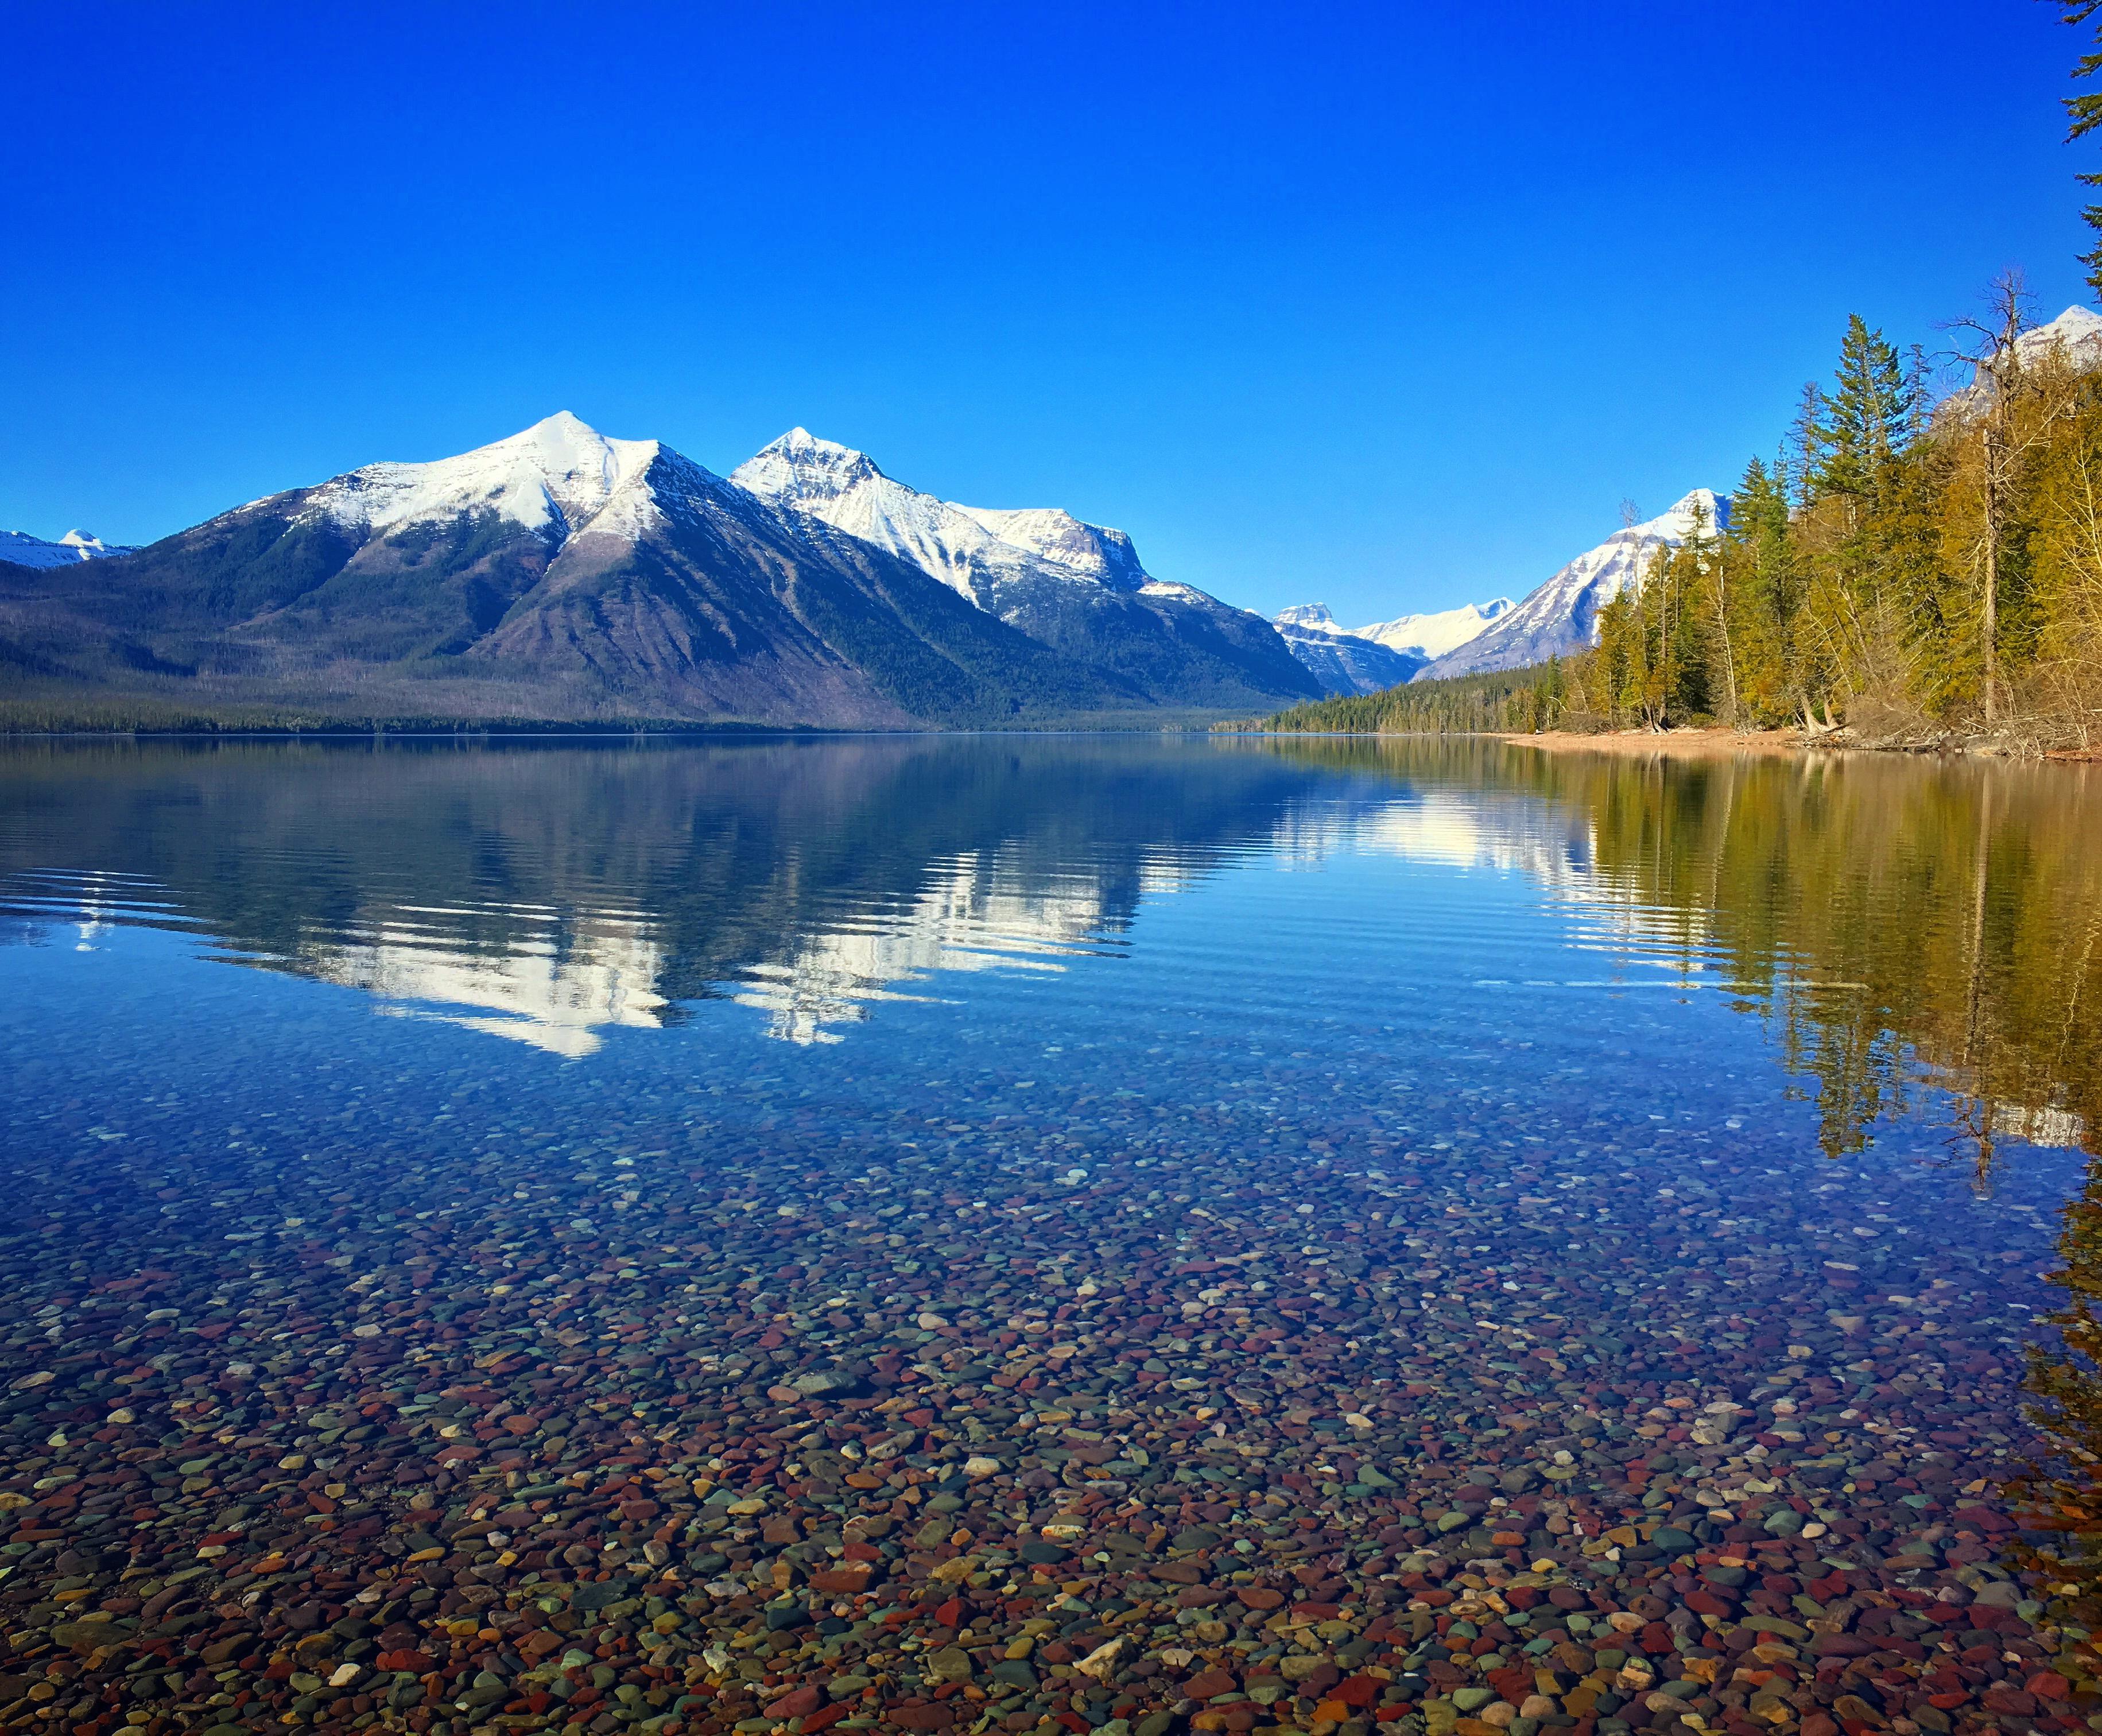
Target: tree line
{"x":1902,"y":564}
{"x":1522,"y":700}
{"x":1912,"y":559}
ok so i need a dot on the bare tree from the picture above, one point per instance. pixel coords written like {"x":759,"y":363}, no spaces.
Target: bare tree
{"x":1992,"y":344}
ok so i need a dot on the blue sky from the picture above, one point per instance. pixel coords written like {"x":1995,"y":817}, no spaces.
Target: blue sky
{"x":1389,"y":306}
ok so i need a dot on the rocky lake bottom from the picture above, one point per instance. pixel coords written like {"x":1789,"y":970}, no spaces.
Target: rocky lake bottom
{"x":1042,"y":1236}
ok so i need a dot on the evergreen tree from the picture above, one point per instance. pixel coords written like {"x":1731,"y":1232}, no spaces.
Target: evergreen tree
{"x":1867,"y":418}
{"x":2085,"y":111}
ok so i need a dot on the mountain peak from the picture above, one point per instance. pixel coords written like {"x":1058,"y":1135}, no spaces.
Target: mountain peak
{"x":22,"y":549}
{"x":1314,"y":615}
{"x":552,"y":477}
{"x":801,"y":466}
{"x":567,"y":422}
{"x":1560,"y":616}
{"x":967,"y":548}
{"x":1436,"y":633}
{"x":801,"y":440}
{"x":2076,"y":334}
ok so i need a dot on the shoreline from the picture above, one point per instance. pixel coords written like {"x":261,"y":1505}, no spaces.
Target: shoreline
{"x":1677,"y":743}
{"x":1710,"y":744}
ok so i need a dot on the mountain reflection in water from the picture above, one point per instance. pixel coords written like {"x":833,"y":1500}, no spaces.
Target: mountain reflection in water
{"x":1913,"y":936}
{"x":1512,"y":993}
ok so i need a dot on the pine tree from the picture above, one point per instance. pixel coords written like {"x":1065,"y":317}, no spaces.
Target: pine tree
{"x":1866,"y":420}
{"x":2086,"y":110}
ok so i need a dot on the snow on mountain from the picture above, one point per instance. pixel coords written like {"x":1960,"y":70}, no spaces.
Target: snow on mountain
{"x":973,"y":549}
{"x":1561,"y":616}
{"x":1429,"y":636}
{"x":1105,"y":555}
{"x":1364,"y":659}
{"x":2074,"y":338}
{"x":1341,"y":662}
{"x":554,"y":477}
{"x":1072,"y":585}
{"x":75,"y":546}
{"x":1435,"y":633}
{"x":2076,"y":335}
{"x":560,"y":574}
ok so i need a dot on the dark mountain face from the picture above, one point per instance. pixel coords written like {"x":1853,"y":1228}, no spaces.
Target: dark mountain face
{"x":1343,"y":662}
{"x":555,"y":576}
{"x":1187,"y":649}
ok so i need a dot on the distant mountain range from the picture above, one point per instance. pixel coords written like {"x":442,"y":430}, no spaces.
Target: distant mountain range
{"x":1343,"y":662}
{"x":1560,"y":617}
{"x":1364,"y":659}
{"x":1555,"y":619}
{"x":69,"y":550}
{"x":559,"y":574}
{"x":562,"y":576}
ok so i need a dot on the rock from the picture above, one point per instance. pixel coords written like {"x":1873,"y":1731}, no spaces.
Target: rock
{"x":1249,"y":1428}
{"x":798,"y":1702}
{"x":1101,"y":1660}
{"x":85,"y":1636}
{"x":950,"y":1664}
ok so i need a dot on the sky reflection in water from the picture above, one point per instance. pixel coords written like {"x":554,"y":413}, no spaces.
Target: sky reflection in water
{"x":1557,"y":1091}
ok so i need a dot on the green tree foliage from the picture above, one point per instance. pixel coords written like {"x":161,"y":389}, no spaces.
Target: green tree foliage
{"x":2085,"y":111}
{"x":1852,"y":434}
{"x":1905,"y":572}
{"x":1522,"y":700}
{"x":1665,"y":648}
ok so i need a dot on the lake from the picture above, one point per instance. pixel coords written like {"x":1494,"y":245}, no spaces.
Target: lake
{"x":1086,"y":1233}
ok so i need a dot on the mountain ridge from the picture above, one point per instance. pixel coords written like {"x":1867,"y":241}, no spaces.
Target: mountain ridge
{"x":1341,"y":661}
{"x":21,"y":549}
{"x":1075,"y":586}
{"x":1557,"y":617}
{"x":560,"y":574}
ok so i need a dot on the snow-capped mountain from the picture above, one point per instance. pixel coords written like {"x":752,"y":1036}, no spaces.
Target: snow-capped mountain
{"x":1095,"y":551}
{"x":1435,"y":633}
{"x":556,"y":574}
{"x":973,"y":549}
{"x":555,"y":479}
{"x":1364,"y":659}
{"x":1343,"y":662}
{"x":1077,"y":586}
{"x":2073,"y":339}
{"x":75,"y":546}
{"x":844,"y":488}
{"x":562,"y":575}
{"x":2076,"y":335}
{"x":1561,"y":616}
